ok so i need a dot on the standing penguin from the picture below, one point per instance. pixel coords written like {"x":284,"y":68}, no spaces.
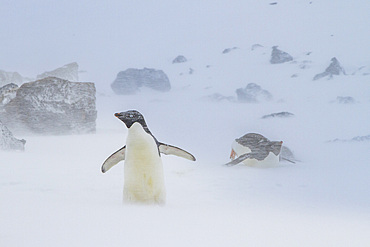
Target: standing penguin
{"x":143,"y":171}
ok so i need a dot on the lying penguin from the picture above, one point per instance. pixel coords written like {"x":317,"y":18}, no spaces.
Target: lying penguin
{"x":255,"y":150}
{"x":143,"y":171}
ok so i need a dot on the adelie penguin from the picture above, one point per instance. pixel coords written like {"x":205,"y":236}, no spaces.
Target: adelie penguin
{"x":143,"y":170}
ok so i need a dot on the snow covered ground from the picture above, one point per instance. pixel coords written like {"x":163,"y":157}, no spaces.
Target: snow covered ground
{"x":54,"y":194}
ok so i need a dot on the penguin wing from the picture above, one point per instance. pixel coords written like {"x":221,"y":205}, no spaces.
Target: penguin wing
{"x":239,"y":159}
{"x":113,"y":160}
{"x":168,"y":149}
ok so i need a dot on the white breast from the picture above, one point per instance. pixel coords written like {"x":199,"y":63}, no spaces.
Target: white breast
{"x":144,"y":179}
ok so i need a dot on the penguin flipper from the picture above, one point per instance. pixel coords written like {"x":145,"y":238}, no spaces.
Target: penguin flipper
{"x":113,"y":160}
{"x":169,"y":149}
{"x":239,"y":159}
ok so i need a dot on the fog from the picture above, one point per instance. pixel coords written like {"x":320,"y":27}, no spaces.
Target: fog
{"x":54,"y":193}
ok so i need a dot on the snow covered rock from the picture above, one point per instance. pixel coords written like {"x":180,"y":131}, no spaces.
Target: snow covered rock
{"x":8,"y":141}
{"x":334,"y":69}
{"x":278,"y":56}
{"x":11,"y":77}
{"x":256,"y":46}
{"x":252,"y":93}
{"x":354,"y":139}
{"x":53,"y":106}
{"x":216,"y":97}
{"x":228,"y":50}
{"x":67,"y":72}
{"x":180,"y":59}
{"x":7,"y":93}
{"x":283,"y":114}
{"x":131,"y":80}
{"x":345,"y":100}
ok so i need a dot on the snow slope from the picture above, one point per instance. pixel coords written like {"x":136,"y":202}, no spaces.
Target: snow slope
{"x":54,"y":194}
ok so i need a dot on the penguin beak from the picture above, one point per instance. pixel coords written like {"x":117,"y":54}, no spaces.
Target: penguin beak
{"x":118,"y":115}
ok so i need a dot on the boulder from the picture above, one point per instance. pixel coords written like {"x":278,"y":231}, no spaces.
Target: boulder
{"x":278,"y":56}
{"x":180,"y":59}
{"x":53,"y":106}
{"x":228,"y":50}
{"x":67,"y":72}
{"x":283,"y":114}
{"x":252,"y":93}
{"x":345,"y":100}
{"x":8,"y":141}
{"x":334,"y":69}
{"x":131,"y":80}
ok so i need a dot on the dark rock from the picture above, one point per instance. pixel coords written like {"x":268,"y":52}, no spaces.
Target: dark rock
{"x":131,"y":80}
{"x":53,"y":106}
{"x":278,"y":56}
{"x":67,"y":72}
{"x":180,"y":59}
{"x":227,"y":50}
{"x":252,"y":93}
{"x":345,"y":100}
{"x":8,"y":141}
{"x":283,"y":114}
{"x":334,"y":69}
{"x":7,"y":93}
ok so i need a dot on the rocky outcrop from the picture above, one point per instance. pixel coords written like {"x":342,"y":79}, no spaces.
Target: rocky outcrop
{"x":345,"y":100}
{"x":53,"y":106}
{"x":67,"y":72}
{"x":334,"y":69}
{"x":216,"y":97}
{"x":278,"y":56}
{"x":180,"y":59}
{"x":11,"y":77}
{"x":252,"y":93}
{"x":7,"y":93}
{"x":8,"y":141}
{"x":283,"y":114}
{"x":228,"y":50}
{"x":131,"y":80}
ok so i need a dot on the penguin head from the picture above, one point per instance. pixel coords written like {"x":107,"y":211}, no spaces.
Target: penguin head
{"x":131,"y":117}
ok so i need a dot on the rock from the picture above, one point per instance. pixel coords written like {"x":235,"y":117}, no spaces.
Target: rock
{"x":67,"y":72}
{"x":53,"y":106}
{"x":7,"y":93}
{"x":283,"y":114}
{"x":334,"y":69}
{"x":216,"y":97}
{"x":278,"y":56}
{"x":11,"y":77}
{"x":345,"y":100}
{"x":252,"y":93}
{"x":8,"y":141}
{"x":227,"y":50}
{"x":180,"y":59}
{"x":131,"y":80}
{"x":256,"y":46}
{"x":354,"y":139}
